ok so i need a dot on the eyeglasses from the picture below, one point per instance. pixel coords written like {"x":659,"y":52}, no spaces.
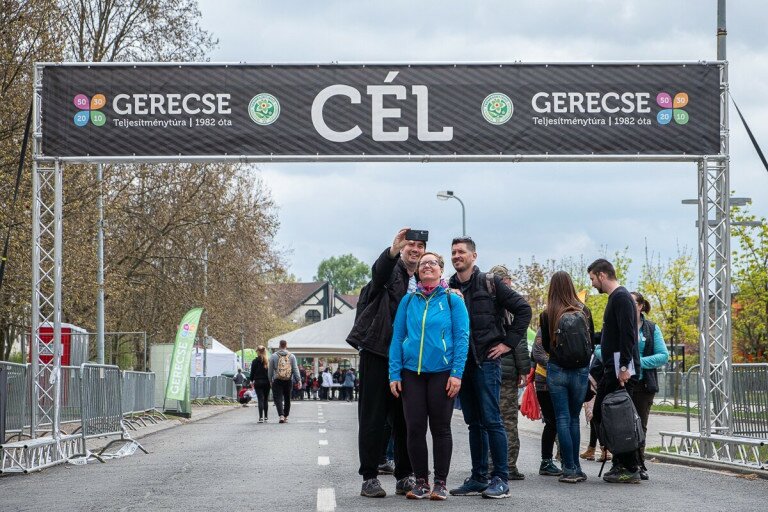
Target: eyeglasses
{"x":429,"y":263}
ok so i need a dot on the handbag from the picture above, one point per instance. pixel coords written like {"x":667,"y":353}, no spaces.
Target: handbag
{"x":529,"y":406}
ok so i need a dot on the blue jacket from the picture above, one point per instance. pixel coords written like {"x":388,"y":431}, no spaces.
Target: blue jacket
{"x":429,"y":334}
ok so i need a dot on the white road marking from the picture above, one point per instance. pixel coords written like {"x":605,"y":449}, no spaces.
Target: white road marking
{"x":323,"y":461}
{"x":321,"y":421}
{"x":323,"y":442}
{"x":322,"y":431}
{"x":326,"y":500}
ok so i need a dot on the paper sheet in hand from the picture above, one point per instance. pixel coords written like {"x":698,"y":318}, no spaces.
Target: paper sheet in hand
{"x":630,"y":368}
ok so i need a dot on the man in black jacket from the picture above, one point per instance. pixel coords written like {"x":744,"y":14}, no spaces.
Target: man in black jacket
{"x":619,"y":337}
{"x":480,"y":388}
{"x":515,"y":366}
{"x":392,"y":276}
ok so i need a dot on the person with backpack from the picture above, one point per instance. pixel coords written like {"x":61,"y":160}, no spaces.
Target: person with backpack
{"x":515,"y":366}
{"x":426,"y":362}
{"x":488,"y":341}
{"x":260,"y":381}
{"x":566,"y":335}
{"x":392,"y":276}
{"x":621,"y":360}
{"x":283,"y":374}
{"x":549,"y":434}
{"x":653,"y":354}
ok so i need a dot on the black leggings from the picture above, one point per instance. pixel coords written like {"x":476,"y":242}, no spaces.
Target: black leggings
{"x":550,"y":429}
{"x":426,"y":400}
{"x":262,"y":394}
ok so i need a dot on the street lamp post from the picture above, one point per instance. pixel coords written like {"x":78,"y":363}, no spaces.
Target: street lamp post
{"x":445,"y":195}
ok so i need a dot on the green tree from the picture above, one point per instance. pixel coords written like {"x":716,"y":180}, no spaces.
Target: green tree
{"x":532,"y":281}
{"x":750,"y":282}
{"x":346,"y":273}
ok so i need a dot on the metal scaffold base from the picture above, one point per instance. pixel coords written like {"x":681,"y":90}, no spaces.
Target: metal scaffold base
{"x":36,"y":454}
{"x":743,"y":452}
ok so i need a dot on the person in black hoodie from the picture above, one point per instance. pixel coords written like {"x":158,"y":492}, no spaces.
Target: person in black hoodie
{"x":260,"y":380}
{"x":619,"y":336}
{"x":392,"y":276}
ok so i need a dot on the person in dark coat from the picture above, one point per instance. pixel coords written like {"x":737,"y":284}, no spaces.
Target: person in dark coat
{"x":260,"y":381}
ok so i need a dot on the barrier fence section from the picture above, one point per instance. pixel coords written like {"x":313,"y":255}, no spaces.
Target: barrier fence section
{"x":213,"y":388}
{"x":17,"y":410}
{"x":138,"y":400}
{"x":750,"y":400}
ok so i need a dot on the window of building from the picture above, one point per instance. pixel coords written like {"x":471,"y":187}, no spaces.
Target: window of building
{"x":312,"y":316}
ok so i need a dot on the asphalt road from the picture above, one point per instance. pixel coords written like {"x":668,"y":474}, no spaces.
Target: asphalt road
{"x":229,"y":462}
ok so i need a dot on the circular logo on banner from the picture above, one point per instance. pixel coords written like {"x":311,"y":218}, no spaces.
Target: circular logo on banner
{"x":264,"y":109}
{"x":497,"y":108}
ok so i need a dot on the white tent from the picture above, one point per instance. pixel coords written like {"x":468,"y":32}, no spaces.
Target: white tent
{"x":219,"y":359}
{"x":325,"y":338}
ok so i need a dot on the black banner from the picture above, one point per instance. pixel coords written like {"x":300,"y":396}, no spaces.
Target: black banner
{"x":381,"y":110}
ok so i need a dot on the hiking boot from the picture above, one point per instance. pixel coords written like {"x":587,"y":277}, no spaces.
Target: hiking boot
{"x":387,"y":468}
{"x":643,"y":474}
{"x":439,"y":491}
{"x":615,"y":468}
{"x":569,"y":477}
{"x":497,"y":488}
{"x":623,"y":476}
{"x":581,"y":476}
{"x":470,"y":487}
{"x":372,"y":489}
{"x":514,"y":474}
{"x":589,"y":453}
{"x":549,"y":468}
{"x":404,"y":485}
{"x":282,"y":419}
{"x":419,"y":491}
{"x":605,"y":455}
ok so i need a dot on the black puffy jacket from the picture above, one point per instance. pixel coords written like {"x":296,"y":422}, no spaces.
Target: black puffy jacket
{"x":377,"y":305}
{"x":486,"y":316}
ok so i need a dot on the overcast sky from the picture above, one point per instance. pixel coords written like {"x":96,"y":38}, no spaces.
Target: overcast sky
{"x":513,"y":211}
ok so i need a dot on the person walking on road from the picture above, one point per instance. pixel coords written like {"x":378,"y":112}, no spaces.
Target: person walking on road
{"x":349,"y":384}
{"x":480,"y":388}
{"x":326,"y":384}
{"x":426,"y":364}
{"x":618,"y":341}
{"x":566,"y":335}
{"x":392,"y":276}
{"x":260,"y":381}
{"x":515,"y":366}
{"x":283,"y":374}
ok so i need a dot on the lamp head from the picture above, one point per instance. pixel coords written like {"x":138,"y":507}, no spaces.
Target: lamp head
{"x":445,"y":194}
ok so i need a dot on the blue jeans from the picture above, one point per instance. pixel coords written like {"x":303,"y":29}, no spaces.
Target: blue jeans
{"x":567,"y":388}
{"x":480,"y":404}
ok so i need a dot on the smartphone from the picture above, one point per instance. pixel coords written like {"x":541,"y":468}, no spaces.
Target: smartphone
{"x":421,"y":235}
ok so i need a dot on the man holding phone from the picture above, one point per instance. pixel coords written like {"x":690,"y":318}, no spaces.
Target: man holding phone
{"x":392,"y":276}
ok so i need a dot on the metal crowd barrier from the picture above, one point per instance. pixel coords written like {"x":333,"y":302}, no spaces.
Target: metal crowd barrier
{"x":215,"y":389}
{"x":138,"y":399}
{"x":17,"y":411}
{"x":750,"y":400}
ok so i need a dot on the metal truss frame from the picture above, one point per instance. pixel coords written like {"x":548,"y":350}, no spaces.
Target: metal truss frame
{"x":714,"y":275}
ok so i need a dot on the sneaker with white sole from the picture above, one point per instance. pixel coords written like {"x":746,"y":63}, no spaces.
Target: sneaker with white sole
{"x":497,"y":488}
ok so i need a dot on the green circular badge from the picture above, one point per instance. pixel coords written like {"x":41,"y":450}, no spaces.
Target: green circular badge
{"x":264,"y":109}
{"x":497,"y":108}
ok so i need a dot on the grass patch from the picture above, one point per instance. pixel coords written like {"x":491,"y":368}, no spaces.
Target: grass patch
{"x":671,"y":409}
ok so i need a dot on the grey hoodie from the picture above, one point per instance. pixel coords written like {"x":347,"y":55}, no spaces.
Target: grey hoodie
{"x":295,"y":375}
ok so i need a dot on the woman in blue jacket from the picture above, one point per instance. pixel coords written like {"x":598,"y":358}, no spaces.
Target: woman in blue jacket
{"x":653,"y":355}
{"x":426,"y":362}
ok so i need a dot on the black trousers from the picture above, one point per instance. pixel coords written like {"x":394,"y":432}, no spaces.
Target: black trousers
{"x":281,"y":392}
{"x":376,"y":406}
{"x":425,"y":400}
{"x":262,"y":394}
{"x":643,"y":400}
{"x":608,"y":384}
{"x":550,"y":428}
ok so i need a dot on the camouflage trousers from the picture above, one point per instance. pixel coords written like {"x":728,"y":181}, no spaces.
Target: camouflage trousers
{"x":509,"y":412}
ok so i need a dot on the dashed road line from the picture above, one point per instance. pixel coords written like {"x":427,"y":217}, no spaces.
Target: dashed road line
{"x":326,"y":500}
{"x":323,"y":461}
{"x":323,"y":442}
{"x":321,"y":431}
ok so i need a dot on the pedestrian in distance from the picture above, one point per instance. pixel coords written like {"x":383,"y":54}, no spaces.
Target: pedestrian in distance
{"x":653,"y":355}
{"x":349,"y":384}
{"x":566,"y":335}
{"x":284,"y":375}
{"x":326,"y":384}
{"x":515,"y":366}
{"x":549,"y":434}
{"x":260,"y":381}
{"x":480,"y":388}
{"x":240,"y":381}
{"x":392,"y":276}
{"x":426,"y":363}
{"x":620,"y":356}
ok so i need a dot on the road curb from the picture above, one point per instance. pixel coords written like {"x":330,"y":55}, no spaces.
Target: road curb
{"x":706,"y":464}
{"x":174,"y":421}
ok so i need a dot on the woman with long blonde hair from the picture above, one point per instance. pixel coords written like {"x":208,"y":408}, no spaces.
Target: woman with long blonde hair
{"x":260,"y":381}
{"x":566,"y":335}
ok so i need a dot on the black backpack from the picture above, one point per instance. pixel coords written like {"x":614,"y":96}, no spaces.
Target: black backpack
{"x":573,"y":346}
{"x":621,"y":429}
